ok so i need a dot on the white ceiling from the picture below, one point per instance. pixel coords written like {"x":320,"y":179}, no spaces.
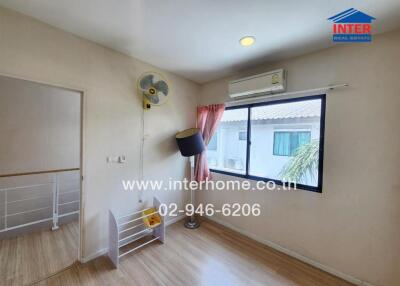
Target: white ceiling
{"x":198,"y":39}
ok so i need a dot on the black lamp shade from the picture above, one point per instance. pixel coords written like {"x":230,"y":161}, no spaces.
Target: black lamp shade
{"x":190,"y":142}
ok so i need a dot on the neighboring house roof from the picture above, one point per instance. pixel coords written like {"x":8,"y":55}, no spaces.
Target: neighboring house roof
{"x":301,"y":109}
{"x":352,"y":16}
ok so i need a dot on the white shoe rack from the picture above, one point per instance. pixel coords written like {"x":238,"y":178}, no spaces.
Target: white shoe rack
{"x":126,"y":229}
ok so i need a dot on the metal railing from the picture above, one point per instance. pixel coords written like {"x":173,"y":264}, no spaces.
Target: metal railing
{"x":24,"y":205}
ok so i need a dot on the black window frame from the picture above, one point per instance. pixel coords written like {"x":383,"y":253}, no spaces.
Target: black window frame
{"x":318,"y":188}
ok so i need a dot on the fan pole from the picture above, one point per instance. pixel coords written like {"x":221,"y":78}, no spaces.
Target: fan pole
{"x":192,"y":222}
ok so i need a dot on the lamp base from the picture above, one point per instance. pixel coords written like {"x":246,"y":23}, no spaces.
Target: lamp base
{"x":192,"y":222}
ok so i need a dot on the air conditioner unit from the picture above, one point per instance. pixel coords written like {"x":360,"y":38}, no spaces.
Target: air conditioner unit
{"x":261,"y":84}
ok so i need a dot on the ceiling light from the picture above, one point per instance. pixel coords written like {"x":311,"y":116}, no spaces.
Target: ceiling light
{"x":247,"y":41}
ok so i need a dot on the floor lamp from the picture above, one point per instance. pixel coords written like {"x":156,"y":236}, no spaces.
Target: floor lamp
{"x":190,"y":143}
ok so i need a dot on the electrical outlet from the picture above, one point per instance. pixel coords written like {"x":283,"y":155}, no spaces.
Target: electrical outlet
{"x":118,"y":159}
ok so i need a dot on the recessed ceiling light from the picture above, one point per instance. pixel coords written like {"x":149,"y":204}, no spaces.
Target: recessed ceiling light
{"x":247,"y":41}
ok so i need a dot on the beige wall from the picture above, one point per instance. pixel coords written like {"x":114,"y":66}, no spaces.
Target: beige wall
{"x":353,"y":226}
{"x":112,"y":109}
{"x":39,"y":126}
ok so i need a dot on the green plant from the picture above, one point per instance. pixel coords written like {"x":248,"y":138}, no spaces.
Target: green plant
{"x":303,"y":163}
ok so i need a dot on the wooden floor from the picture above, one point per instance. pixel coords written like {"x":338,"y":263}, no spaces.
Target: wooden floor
{"x":210,"y":255}
{"x":31,"y":257}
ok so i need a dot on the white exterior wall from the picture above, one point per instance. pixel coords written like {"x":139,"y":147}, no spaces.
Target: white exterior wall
{"x":263,"y":162}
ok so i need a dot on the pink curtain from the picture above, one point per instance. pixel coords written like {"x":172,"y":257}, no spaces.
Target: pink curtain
{"x":208,"y":118}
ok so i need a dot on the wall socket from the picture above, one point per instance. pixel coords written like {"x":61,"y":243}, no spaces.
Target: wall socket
{"x":118,"y":159}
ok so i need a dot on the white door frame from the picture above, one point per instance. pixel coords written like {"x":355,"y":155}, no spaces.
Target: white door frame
{"x":83,"y":92}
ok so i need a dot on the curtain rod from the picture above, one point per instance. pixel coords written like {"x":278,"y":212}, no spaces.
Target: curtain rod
{"x":307,"y":92}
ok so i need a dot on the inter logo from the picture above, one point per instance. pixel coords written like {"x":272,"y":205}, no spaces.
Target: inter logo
{"x":351,"y":26}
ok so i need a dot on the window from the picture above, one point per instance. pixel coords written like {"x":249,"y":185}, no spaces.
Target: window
{"x":231,"y":153}
{"x":280,"y":141}
{"x":243,"y":135}
{"x":212,"y":145}
{"x":286,"y":143}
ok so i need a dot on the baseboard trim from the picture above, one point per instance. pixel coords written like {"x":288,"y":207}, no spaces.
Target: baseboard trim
{"x":294,"y":254}
{"x":174,"y":220}
{"x":94,"y":255}
{"x":104,"y":251}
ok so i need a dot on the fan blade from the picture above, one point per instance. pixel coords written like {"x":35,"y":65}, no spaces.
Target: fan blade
{"x":146,"y":82}
{"x":161,"y":96}
{"x":161,"y":86}
{"x":154,"y":99}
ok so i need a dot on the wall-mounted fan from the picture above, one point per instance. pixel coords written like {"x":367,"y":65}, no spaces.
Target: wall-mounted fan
{"x":154,"y":89}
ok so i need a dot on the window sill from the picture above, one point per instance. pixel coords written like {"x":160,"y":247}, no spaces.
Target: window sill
{"x":299,"y":187}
